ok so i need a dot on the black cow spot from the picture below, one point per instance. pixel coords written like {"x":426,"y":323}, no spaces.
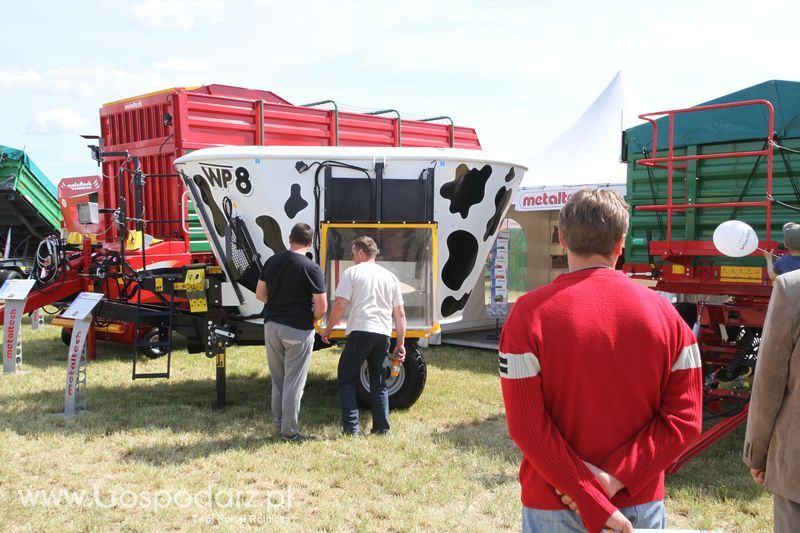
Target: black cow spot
{"x":501,"y":201}
{"x":467,"y":189}
{"x":272,"y":233}
{"x":450,"y":305}
{"x":510,"y":175}
{"x":462,"y":247}
{"x":216,"y":214}
{"x":295,"y":203}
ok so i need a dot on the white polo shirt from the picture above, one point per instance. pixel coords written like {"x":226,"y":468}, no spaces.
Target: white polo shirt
{"x":373,"y":292}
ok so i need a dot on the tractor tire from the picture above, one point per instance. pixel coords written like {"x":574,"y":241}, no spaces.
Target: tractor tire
{"x":406,"y":388}
{"x":7,"y":274}
{"x":151,"y":335}
{"x":66,"y":336}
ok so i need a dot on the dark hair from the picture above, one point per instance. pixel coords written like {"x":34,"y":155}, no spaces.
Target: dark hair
{"x":301,"y":234}
{"x":366,"y":245}
{"x":593,"y":221}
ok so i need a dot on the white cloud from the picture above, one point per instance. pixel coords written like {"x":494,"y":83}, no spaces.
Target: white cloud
{"x":11,"y":78}
{"x":178,"y":64}
{"x":55,"y":121}
{"x":176,"y":14}
{"x":99,"y":82}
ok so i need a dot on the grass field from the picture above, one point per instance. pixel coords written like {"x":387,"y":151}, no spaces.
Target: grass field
{"x":157,"y":455}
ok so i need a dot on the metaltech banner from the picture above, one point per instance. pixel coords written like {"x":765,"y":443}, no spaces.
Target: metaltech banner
{"x":549,"y":198}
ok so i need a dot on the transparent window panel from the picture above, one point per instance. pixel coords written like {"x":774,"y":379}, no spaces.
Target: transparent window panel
{"x":405,"y":251}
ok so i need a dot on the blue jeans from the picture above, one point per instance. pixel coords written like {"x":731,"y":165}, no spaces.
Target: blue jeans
{"x":651,"y":515}
{"x":374,"y":348}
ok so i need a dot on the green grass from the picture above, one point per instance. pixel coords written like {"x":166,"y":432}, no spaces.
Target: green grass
{"x":448,"y":464}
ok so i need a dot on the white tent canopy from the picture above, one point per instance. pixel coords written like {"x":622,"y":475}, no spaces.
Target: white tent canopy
{"x":585,"y":154}
{"x":588,"y":152}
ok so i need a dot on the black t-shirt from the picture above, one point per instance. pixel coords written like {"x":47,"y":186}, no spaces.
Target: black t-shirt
{"x":291,"y":280}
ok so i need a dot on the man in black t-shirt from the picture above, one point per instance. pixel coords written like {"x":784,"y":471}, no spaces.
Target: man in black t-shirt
{"x":288,"y":285}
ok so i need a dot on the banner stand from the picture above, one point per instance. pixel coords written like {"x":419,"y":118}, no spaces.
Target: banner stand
{"x":37,"y":319}
{"x":76,"y":393}
{"x":76,"y":389}
{"x":15,"y":293}
{"x":498,"y":306}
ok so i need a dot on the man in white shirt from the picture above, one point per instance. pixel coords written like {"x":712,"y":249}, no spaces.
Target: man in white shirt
{"x":374,"y":293}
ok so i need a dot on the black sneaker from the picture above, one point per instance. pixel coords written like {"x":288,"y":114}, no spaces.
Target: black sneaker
{"x":298,"y":438}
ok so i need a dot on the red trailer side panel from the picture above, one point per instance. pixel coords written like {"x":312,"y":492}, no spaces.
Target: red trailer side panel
{"x":159,"y":127}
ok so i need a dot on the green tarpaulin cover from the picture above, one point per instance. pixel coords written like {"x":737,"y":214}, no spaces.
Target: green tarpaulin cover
{"x":726,"y":125}
{"x":20,"y":156}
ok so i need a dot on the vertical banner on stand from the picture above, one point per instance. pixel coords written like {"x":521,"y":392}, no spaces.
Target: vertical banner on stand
{"x":498,"y":306}
{"x":15,"y":293}
{"x":75,"y":393}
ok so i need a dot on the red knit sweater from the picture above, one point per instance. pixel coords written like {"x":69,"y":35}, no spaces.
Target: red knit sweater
{"x":596,"y":367}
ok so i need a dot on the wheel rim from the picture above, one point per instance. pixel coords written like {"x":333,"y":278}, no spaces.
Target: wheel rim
{"x":393,"y":384}
{"x":153,"y":337}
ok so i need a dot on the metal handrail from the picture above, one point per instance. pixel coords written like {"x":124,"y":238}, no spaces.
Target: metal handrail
{"x":672,"y":158}
{"x":452,"y":127}
{"x":399,"y":119}
{"x":335,"y":112}
{"x":185,"y":218}
{"x":261,"y":123}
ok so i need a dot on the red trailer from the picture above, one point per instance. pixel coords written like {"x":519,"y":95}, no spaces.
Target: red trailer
{"x":154,"y":129}
{"x":162,"y":126}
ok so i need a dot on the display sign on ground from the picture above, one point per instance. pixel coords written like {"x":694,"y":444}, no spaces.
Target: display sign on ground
{"x":15,"y":293}
{"x":75,"y":393}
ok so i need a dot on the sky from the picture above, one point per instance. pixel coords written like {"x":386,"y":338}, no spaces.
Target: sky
{"x":519,"y":72}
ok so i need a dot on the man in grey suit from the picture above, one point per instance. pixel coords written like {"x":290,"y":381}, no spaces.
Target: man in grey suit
{"x":772,"y":442}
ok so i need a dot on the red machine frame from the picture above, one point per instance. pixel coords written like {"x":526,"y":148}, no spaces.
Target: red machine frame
{"x":749,"y":301}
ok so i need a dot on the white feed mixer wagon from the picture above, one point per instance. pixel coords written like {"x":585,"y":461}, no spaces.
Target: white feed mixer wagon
{"x":434,"y":213}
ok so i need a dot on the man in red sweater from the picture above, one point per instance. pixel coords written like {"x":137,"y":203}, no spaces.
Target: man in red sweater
{"x":601,"y":381}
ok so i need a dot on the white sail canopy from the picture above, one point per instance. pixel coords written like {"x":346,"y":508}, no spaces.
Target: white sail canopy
{"x":588,"y":152}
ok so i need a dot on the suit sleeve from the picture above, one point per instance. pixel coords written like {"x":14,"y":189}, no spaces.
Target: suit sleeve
{"x":772,"y":372}
{"x":534,"y":432}
{"x":677,"y":422}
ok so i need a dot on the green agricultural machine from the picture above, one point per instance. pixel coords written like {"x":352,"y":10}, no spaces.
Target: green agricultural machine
{"x":28,"y":212}
{"x":688,"y":171}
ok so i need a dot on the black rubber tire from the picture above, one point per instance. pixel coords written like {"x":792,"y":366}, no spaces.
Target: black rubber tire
{"x":688,"y":312}
{"x":66,"y":336}
{"x":151,"y":336}
{"x":8,"y":273}
{"x":404,"y":390}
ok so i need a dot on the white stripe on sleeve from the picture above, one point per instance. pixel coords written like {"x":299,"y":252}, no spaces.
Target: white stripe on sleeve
{"x":688,"y":358}
{"x":518,"y":366}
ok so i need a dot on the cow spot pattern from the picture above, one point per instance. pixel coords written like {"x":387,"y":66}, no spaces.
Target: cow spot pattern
{"x":295,"y":203}
{"x":450,"y":305}
{"x":462,"y":249}
{"x":216,"y":213}
{"x":501,"y":200}
{"x":271,"y":231}
{"x":511,"y":174}
{"x":467,"y":189}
